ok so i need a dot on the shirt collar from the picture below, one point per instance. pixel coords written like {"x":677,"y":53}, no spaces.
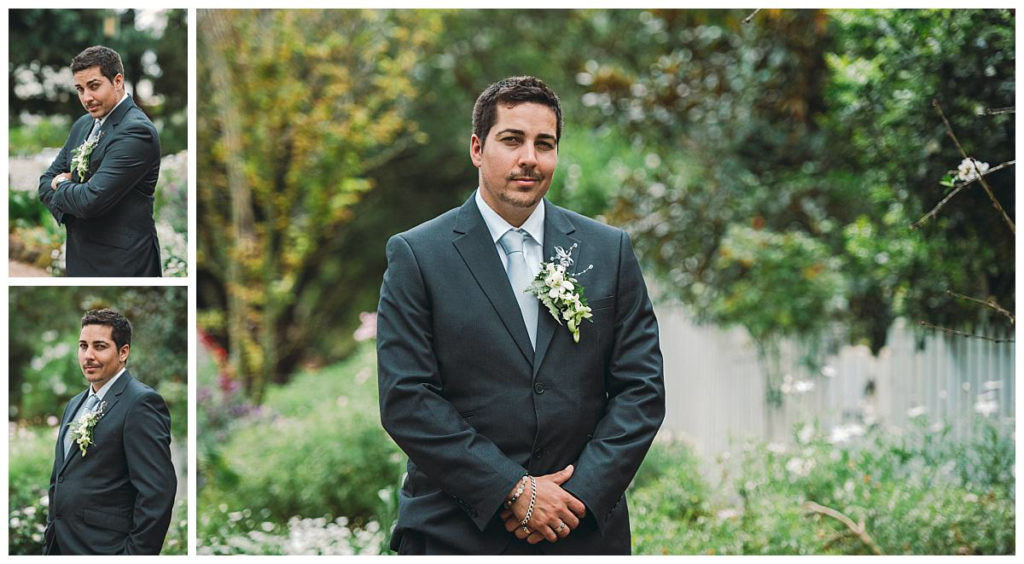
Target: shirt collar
{"x":99,"y":122}
{"x":106,"y":387}
{"x":534,"y":225}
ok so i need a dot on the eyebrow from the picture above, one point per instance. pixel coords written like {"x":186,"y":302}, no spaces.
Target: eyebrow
{"x":523,"y":133}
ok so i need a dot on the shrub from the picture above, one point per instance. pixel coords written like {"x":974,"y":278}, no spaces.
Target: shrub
{"x":914,"y":491}
{"x":303,"y":455}
{"x":29,"y":466}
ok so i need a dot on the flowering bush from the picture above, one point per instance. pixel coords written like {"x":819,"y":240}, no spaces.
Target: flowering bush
{"x":915,"y":491}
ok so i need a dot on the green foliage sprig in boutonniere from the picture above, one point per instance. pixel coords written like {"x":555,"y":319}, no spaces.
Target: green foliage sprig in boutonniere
{"x":80,"y":156}
{"x":561,"y":293}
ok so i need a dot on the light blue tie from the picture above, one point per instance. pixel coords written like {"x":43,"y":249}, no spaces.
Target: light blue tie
{"x":90,"y":404}
{"x":95,"y":131}
{"x":520,"y":278}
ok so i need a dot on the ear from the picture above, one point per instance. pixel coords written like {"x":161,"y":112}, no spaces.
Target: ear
{"x":476,"y":150}
{"x":123,"y":353}
{"x":119,"y":81}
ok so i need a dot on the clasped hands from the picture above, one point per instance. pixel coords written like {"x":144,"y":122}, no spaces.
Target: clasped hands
{"x":555,"y":511}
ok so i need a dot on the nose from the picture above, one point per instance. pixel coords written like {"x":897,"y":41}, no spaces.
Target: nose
{"x":528,"y":156}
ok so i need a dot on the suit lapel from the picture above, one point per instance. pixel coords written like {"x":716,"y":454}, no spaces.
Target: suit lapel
{"x":557,"y":231}
{"x":107,"y":129}
{"x":73,"y":406}
{"x":111,"y":398}
{"x":473,"y":242}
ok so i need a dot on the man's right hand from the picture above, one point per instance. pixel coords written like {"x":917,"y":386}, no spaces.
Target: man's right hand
{"x":62,"y":177}
{"x":555,"y":511}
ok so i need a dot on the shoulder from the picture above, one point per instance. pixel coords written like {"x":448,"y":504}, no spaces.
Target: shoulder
{"x":137,"y":120}
{"x":438,"y":228}
{"x":590,"y":230}
{"x":142,"y":392}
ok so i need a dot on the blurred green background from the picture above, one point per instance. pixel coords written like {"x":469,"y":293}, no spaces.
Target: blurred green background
{"x":44,"y":375}
{"x":43,"y":105}
{"x":769,"y":172}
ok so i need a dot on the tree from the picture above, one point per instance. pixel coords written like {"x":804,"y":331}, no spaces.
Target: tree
{"x":292,"y":128}
{"x":43,"y":42}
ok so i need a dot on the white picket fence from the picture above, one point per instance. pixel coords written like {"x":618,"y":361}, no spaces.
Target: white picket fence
{"x":715,"y":384}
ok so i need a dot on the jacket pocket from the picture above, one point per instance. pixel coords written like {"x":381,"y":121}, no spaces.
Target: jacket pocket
{"x":114,"y":522}
{"x":601,"y":303}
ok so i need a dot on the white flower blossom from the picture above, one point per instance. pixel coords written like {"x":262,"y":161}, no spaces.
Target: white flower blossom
{"x":966,"y":173}
{"x":800,"y":466}
{"x":916,"y":411}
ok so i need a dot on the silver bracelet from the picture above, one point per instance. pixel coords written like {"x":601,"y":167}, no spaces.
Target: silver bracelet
{"x":519,"y":491}
{"x":533,"y":500}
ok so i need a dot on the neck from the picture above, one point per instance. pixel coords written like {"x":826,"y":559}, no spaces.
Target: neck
{"x":514,"y":215}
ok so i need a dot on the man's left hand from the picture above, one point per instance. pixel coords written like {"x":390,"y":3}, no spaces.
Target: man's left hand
{"x":62,"y":177}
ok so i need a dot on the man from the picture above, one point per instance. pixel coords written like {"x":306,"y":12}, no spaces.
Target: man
{"x":101,"y":184}
{"x":112,"y":486}
{"x":494,"y":401}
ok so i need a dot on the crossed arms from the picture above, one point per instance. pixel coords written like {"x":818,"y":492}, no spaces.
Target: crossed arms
{"x":127,"y":159}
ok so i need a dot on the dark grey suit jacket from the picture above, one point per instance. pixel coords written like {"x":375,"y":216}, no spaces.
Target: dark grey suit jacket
{"x":109,"y":214}
{"x":474,"y":407}
{"x":117,"y":499}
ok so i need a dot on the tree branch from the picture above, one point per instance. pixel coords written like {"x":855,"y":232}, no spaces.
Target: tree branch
{"x":958,"y":189}
{"x":997,"y":111}
{"x":990,"y":303}
{"x":856,"y":528}
{"x":962,"y":334}
{"x":749,"y":18}
{"x":984,"y":184}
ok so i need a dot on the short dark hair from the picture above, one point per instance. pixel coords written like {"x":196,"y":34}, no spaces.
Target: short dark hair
{"x":104,"y":57}
{"x":120,"y":327}
{"x":515,"y":90}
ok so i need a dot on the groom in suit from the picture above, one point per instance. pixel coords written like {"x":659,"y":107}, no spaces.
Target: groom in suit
{"x":112,"y":486}
{"x":520,"y":439}
{"x":101,"y":184}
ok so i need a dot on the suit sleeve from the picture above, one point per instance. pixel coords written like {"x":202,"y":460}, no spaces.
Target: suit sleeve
{"x":414,"y":411}
{"x":48,"y":533}
{"x":147,"y":439}
{"x":636,"y":398}
{"x":60,"y":164}
{"x":127,"y":159}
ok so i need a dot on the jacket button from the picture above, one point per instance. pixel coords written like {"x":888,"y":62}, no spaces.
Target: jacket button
{"x":539,"y":388}
{"x":60,"y":480}
{"x":538,"y":453}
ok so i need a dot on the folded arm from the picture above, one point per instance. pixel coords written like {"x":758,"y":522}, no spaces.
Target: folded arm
{"x":147,"y":438}
{"x":127,"y":160}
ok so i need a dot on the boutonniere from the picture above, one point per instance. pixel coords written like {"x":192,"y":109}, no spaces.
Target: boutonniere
{"x":81,"y":429}
{"x":80,"y":156}
{"x":560,"y":292}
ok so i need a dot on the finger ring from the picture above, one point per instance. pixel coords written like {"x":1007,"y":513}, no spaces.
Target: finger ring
{"x":526,"y":529}
{"x":560,"y":526}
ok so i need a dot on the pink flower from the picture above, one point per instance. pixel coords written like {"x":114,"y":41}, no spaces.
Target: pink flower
{"x":367,"y":328}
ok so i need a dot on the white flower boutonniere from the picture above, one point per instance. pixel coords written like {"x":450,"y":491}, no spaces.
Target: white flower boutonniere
{"x":81,"y":429}
{"x":80,"y":156}
{"x":560,"y":292}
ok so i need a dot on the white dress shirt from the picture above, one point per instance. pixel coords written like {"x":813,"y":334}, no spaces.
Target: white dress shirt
{"x":533,"y":246}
